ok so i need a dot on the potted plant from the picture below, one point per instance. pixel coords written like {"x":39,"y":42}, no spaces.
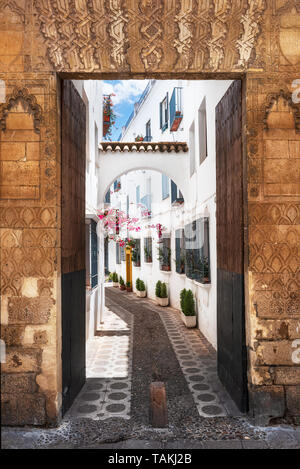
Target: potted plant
{"x":139,"y":138}
{"x":122,"y":283}
{"x":115,"y":279}
{"x":188,"y":311}
{"x":180,"y":264}
{"x":140,"y":288}
{"x":161,"y":293}
{"x":128,"y":286}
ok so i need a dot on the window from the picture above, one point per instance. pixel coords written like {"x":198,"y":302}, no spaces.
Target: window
{"x":117,"y":185}
{"x":106,"y":262}
{"x":118,"y":253}
{"x":148,"y":249}
{"x":192,"y":148}
{"x":136,"y":253}
{"x":123,"y":254}
{"x":165,"y":186}
{"x":180,"y":251}
{"x":197,"y":262}
{"x":164,"y":254}
{"x":148,"y":137}
{"x":107,"y":197}
{"x":176,"y":113}
{"x":164,"y":111}
{"x":146,"y":201}
{"x":93,"y":254}
{"x":176,"y":195}
{"x":202,"y":119}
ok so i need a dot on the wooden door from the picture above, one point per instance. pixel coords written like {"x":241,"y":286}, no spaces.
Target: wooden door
{"x":232,"y":359}
{"x":73,"y":116}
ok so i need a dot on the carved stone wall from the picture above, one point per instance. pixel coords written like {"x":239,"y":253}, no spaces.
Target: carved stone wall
{"x":136,"y":38}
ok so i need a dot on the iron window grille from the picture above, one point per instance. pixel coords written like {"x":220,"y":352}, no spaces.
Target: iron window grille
{"x":197,"y":257}
{"x":180,"y":251}
{"x":164,"y":254}
{"x":94,"y":254}
{"x":148,"y":249}
{"x":136,"y":253}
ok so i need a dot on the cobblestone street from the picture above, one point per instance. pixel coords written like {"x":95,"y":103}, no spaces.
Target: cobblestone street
{"x":139,"y":343}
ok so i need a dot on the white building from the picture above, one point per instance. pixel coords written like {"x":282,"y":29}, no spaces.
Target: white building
{"x":175,"y":111}
{"x":91,"y":93}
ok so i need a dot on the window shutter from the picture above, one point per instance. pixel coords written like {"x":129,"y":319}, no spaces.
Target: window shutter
{"x":167,"y":110}
{"x":160,"y":115}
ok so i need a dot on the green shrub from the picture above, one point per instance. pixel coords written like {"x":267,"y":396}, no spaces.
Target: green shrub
{"x":128,"y":284}
{"x":182,"y":296}
{"x":115,"y":277}
{"x":137,"y":284}
{"x":142,"y":286}
{"x":189,"y":304}
{"x":121,"y":281}
{"x":163,"y":291}
{"x":158,"y":289}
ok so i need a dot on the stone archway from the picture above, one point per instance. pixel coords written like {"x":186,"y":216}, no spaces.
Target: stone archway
{"x":44,"y":41}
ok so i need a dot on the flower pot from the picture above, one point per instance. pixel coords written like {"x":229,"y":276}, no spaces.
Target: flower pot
{"x":129,"y":289}
{"x":189,"y":321}
{"x":141,"y":294}
{"x":162,"y":301}
{"x":166,"y":268}
{"x":115,"y":284}
{"x":122,"y":287}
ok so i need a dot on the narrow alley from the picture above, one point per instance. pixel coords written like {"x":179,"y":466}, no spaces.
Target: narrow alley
{"x":139,"y":343}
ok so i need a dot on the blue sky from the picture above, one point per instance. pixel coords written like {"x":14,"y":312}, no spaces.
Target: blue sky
{"x":127,"y":93}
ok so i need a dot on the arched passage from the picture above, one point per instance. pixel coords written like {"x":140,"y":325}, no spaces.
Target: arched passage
{"x":116,"y":160}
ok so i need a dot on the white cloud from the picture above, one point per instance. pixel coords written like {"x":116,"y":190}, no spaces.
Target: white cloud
{"x":125,"y":90}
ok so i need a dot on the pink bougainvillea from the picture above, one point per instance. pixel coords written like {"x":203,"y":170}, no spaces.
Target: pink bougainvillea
{"x":115,"y":220}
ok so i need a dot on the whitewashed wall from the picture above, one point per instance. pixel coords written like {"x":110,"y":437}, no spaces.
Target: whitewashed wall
{"x":91,"y":93}
{"x":202,"y":193}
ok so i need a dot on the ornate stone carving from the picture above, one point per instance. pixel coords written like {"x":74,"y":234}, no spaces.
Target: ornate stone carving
{"x":184,"y":40}
{"x":251,"y":27}
{"x":152,"y":33}
{"x":218,"y":35}
{"x":273,"y":98}
{"x":86,"y":36}
{"x":29,"y":103}
{"x":149,"y":35}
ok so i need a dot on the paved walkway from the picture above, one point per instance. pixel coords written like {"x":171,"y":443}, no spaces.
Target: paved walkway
{"x":139,"y":343}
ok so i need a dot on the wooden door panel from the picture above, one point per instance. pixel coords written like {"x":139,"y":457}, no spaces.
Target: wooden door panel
{"x":73,"y":115}
{"x":232,"y":364}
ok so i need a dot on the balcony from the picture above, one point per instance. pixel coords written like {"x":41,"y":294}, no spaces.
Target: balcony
{"x":176,"y":113}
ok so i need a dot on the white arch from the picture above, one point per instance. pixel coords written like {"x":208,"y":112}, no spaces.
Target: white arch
{"x":112,"y":165}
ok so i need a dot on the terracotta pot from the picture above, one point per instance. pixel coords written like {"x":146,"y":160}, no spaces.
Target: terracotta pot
{"x":122,"y":287}
{"x":141,"y":294}
{"x":166,"y":268}
{"x":189,"y":321}
{"x":129,"y":289}
{"x":162,"y":301}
